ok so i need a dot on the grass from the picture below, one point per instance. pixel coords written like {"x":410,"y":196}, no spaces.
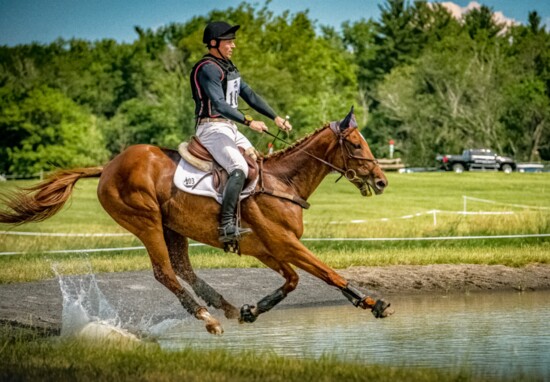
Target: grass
{"x":338,"y":211}
{"x":27,"y":356}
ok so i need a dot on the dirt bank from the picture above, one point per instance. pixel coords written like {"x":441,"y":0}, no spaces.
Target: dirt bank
{"x":138,"y":296}
{"x":450,"y":278}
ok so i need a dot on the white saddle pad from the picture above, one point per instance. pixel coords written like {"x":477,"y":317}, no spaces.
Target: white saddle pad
{"x":194,"y":181}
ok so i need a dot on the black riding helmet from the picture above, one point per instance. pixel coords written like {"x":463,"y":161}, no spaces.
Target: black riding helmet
{"x":219,"y":30}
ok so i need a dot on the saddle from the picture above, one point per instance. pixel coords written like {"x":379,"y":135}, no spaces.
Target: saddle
{"x":198,"y":156}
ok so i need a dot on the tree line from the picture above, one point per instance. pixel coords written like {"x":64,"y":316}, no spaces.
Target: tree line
{"x":432,"y":83}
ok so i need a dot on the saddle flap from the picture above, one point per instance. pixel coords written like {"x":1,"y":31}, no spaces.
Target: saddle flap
{"x":220,"y":176}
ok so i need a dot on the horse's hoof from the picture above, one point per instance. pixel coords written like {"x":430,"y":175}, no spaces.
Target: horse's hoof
{"x":382,"y":309}
{"x":214,"y":328}
{"x":212,"y":325}
{"x":246,"y":314}
{"x":232,"y":313}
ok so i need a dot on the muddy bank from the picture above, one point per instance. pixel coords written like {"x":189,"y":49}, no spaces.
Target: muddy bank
{"x":443,"y":278}
{"x":138,"y":296}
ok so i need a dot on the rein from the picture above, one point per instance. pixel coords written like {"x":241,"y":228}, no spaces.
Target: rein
{"x":349,"y":174}
{"x":276,"y":137}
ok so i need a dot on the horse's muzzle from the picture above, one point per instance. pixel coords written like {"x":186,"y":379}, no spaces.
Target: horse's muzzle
{"x":378,"y":185}
{"x":367,"y":184}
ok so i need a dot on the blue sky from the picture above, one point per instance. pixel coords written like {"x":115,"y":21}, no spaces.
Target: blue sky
{"x":25,"y":21}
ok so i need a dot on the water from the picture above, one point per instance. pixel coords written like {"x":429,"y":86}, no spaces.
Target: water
{"x":86,"y":312}
{"x":498,"y":334}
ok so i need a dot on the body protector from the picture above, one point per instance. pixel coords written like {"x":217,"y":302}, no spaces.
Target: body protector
{"x":206,"y":92}
{"x":216,"y":86}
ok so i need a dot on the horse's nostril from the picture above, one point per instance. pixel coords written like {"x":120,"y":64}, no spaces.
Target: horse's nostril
{"x":381,"y":184}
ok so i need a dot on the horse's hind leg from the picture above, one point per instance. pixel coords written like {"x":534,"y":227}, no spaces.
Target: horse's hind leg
{"x":178,"y":249}
{"x":146,"y":223}
{"x":251,"y":313}
{"x":164,"y":273}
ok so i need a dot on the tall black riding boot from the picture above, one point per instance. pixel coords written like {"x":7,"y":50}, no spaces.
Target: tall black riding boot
{"x":228,"y":229}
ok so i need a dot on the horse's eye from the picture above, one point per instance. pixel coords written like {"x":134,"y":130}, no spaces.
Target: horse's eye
{"x":357,"y":145}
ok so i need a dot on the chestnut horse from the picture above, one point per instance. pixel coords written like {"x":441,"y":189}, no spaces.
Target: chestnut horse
{"x":136,"y":188}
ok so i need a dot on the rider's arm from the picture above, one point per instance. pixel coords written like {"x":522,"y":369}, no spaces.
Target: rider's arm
{"x":210,"y":79}
{"x":255,"y":101}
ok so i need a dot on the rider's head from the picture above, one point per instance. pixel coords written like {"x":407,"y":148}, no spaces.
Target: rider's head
{"x":218,"y":31}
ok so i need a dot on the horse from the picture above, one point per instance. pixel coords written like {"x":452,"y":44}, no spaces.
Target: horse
{"x":136,"y":189}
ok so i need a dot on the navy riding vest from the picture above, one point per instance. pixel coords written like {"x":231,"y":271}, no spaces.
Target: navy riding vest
{"x":231,"y":83}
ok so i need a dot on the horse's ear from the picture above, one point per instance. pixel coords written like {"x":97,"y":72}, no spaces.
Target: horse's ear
{"x":349,"y":121}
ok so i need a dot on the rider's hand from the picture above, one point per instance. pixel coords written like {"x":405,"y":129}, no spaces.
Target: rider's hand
{"x":283,"y":124}
{"x":258,"y":126}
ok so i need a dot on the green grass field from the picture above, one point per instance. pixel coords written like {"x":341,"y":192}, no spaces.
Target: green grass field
{"x":337,"y":211}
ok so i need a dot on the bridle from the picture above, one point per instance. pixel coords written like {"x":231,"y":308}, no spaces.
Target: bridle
{"x":348,"y":173}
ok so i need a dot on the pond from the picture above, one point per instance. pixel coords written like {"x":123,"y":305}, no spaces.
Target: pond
{"x":490,"y":334}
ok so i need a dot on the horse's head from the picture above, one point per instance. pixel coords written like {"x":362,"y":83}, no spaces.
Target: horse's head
{"x":355,"y":158}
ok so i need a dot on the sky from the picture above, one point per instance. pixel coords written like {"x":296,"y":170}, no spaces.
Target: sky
{"x":43,"y":21}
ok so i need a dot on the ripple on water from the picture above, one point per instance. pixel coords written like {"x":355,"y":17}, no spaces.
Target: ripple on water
{"x":498,"y":334}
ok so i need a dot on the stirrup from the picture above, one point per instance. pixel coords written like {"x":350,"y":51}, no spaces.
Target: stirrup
{"x":230,"y":232}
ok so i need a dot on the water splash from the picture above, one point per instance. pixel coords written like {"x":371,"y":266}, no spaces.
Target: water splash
{"x":86,"y":311}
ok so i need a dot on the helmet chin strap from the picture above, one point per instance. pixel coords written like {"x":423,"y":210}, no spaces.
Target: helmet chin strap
{"x":217,"y":46}
{"x":220,"y":53}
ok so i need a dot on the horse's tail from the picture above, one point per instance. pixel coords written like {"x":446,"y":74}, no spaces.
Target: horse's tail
{"x":42,"y":201}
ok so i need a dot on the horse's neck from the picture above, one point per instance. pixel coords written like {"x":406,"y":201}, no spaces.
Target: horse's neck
{"x":300,"y":170}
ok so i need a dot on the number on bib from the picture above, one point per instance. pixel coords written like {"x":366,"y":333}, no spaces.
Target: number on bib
{"x":232,"y":93}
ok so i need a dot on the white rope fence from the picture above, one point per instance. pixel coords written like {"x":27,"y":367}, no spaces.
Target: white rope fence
{"x":466,"y":198}
{"x":57,"y":234}
{"x":433,"y":213}
{"x":39,"y":175}
{"x":313,"y":239}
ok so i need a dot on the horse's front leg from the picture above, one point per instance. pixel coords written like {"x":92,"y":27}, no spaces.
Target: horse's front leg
{"x":250,"y":313}
{"x":378,"y":306}
{"x":300,"y":256}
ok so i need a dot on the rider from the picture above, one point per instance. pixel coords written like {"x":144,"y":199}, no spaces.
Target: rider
{"x":216,"y":85}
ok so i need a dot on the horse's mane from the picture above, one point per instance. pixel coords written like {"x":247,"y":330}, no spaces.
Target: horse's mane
{"x":282,"y":152}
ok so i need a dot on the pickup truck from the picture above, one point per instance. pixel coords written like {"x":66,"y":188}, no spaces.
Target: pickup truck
{"x":476,"y":159}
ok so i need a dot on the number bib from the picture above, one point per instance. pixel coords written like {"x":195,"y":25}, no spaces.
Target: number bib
{"x":232,"y":92}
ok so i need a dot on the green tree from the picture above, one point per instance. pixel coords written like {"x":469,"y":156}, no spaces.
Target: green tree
{"x":451,"y":98}
{"x":481,"y":25}
{"x":528,"y":96}
{"x":44,"y":129}
{"x":527,"y":119}
{"x":417,"y":75}
{"x":379,"y":47}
